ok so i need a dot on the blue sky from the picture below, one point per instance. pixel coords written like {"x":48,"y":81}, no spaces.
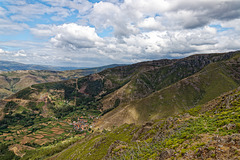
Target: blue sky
{"x":84,"y":33}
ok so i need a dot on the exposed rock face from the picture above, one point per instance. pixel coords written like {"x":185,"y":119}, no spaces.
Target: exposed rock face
{"x":165,"y":154}
{"x":230,"y":126}
{"x":146,"y":127}
{"x":221,"y":147}
{"x":115,"y":145}
{"x":99,"y":142}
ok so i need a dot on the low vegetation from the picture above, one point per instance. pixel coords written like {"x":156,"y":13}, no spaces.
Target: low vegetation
{"x":201,"y":134}
{"x":171,"y":103}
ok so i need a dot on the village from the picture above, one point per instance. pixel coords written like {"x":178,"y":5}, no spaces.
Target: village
{"x":82,"y":124}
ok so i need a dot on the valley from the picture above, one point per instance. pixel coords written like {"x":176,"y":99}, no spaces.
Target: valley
{"x":14,"y":81}
{"x":119,"y":80}
{"x":150,"y":109}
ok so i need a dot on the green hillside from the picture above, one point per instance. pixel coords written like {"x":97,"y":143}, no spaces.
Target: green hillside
{"x":46,"y":114}
{"x":213,"y":80}
{"x":199,"y":133}
{"x":153,"y":78}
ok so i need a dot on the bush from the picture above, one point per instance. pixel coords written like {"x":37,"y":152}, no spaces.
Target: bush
{"x":9,"y":106}
{"x":5,"y":154}
{"x":33,"y":105}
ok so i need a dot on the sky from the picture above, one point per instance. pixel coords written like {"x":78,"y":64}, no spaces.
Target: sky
{"x":89,"y":33}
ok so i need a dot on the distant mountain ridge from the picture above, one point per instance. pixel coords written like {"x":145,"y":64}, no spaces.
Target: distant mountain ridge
{"x":13,"y":81}
{"x":13,"y":66}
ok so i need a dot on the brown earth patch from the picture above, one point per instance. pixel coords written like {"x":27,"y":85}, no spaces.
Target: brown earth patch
{"x":41,"y":141}
{"x":9,"y":138}
{"x":62,"y":123}
{"x":5,"y":134}
{"x":39,"y":136}
{"x":18,"y":149}
{"x":57,"y":130}
{"x":26,"y":139}
{"x":41,"y":132}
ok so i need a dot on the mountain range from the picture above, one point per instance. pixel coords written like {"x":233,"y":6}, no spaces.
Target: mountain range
{"x":13,"y":66}
{"x":149,"y":109}
{"x":13,"y":81}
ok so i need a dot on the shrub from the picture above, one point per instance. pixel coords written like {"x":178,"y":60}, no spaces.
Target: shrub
{"x":9,"y":106}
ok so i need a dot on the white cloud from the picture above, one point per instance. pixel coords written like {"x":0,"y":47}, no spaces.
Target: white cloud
{"x":151,"y":23}
{"x":3,"y":51}
{"x":9,"y":27}
{"x":10,"y":55}
{"x":2,"y":12}
{"x":139,"y":30}
{"x":82,"y":6}
{"x":28,"y":12}
{"x":74,"y":36}
{"x":20,"y":53}
{"x":232,"y":24}
{"x":43,"y":30}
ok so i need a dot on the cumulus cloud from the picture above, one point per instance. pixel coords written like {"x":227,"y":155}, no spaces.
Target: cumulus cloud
{"x":193,"y":14}
{"x":11,"y":55}
{"x":151,"y":23}
{"x":117,"y":31}
{"x":158,"y":44}
{"x":155,"y":14}
{"x":3,"y":51}
{"x":20,"y":53}
{"x":70,"y":36}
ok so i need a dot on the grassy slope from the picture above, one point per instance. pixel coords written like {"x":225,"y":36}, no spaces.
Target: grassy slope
{"x":149,"y":79}
{"x":197,"y":89}
{"x":96,"y":146}
{"x":47,"y":151}
{"x":98,"y":85}
{"x":199,"y":134}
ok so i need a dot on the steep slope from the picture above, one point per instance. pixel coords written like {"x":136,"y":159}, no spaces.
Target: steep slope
{"x":208,"y":131}
{"x":152,"y":79}
{"x":213,"y":80}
